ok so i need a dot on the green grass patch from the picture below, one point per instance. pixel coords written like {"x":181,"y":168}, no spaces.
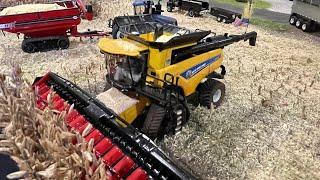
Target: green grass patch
{"x":268,"y":24}
{"x":258,"y":4}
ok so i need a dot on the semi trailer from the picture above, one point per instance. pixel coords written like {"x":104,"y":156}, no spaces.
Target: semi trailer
{"x":305,"y":15}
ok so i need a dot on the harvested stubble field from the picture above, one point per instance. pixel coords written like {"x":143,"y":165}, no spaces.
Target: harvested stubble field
{"x":268,"y":126}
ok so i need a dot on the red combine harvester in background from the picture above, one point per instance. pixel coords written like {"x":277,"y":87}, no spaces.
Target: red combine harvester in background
{"x":49,"y":30}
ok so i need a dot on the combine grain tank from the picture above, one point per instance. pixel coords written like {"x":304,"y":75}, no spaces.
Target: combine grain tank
{"x":305,"y":15}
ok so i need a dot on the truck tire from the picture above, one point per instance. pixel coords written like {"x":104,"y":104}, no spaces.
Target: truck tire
{"x":293,"y":20}
{"x":219,"y":19}
{"x":153,"y":121}
{"x":211,"y":93}
{"x":191,"y":13}
{"x":306,"y":26}
{"x":299,"y":23}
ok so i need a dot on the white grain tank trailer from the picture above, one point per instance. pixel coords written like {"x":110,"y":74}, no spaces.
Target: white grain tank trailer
{"x":305,"y":15}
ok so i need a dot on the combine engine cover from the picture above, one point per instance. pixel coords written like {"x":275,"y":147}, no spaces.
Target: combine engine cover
{"x":127,"y":153}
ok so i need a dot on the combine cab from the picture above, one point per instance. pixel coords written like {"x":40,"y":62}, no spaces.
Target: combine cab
{"x":48,"y":30}
{"x":127,"y":153}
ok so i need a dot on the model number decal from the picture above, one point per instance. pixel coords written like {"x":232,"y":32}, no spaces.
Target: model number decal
{"x":7,"y":26}
{"x":195,"y":69}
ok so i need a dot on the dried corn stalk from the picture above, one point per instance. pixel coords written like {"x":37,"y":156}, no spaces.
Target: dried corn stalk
{"x":39,"y":141}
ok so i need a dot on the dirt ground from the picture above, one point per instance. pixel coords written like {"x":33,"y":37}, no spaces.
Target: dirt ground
{"x":268,"y":126}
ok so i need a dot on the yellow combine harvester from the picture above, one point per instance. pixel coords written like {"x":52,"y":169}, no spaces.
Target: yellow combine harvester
{"x":152,"y":76}
{"x":162,"y":70}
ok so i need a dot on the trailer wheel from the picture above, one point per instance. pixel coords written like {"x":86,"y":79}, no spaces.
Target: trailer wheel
{"x":211,"y":93}
{"x":28,"y":47}
{"x":63,"y":43}
{"x":191,"y":13}
{"x":298,"y":23}
{"x":169,"y":8}
{"x":224,"y":20}
{"x":306,"y":27}
{"x":219,"y":19}
{"x":153,"y":121}
{"x":293,"y":20}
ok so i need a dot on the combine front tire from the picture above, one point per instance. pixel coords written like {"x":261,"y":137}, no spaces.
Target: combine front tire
{"x":153,"y":121}
{"x":211,"y":93}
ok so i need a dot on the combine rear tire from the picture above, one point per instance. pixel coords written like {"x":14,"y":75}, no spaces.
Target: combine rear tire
{"x":211,"y":93}
{"x":28,"y":47}
{"x":153,"y":121}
